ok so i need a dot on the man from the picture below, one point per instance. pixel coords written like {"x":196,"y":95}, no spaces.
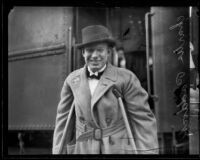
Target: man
{"x":121,"y":57}
{"x":98,"y":126}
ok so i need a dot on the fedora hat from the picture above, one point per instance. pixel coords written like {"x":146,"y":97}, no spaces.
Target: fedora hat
{"x":95,"y":34}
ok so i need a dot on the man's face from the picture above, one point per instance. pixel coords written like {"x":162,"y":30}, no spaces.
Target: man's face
{"x":96,"y":56}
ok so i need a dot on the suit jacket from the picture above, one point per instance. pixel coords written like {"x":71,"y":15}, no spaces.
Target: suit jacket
{"x":102,"y":110}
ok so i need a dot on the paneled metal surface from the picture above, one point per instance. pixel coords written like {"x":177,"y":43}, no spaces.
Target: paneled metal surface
{"x":34,"y":90}
{"x":39,"y":61}
{"x":170,"y":44}
{"x":35,"y":27}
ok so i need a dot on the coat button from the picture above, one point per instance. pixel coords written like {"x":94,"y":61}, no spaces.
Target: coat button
{"x":108,"y":121}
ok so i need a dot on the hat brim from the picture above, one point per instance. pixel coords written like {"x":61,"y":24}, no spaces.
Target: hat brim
{"x":109,"y":41}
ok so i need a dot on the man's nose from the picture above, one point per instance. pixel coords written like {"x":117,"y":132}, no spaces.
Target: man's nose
{"x":95,"y":53}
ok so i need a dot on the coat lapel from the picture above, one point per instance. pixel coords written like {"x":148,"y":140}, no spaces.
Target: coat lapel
{"x":107,"y":80}
{"x":82,"y":91}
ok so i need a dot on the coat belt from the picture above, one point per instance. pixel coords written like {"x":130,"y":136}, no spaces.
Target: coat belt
{"x":98,"y":133}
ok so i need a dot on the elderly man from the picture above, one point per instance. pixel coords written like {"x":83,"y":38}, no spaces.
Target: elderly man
{"x":97,"y":126}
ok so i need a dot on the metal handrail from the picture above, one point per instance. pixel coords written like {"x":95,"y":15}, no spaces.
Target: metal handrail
{"x":70,"y":49}
{"x":147,"y":50}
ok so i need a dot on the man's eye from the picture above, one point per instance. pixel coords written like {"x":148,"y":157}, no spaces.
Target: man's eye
{"x":90,"y":50}
{"x":100,"y":49}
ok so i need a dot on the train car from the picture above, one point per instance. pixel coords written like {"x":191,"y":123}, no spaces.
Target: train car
{"x":41,"y":54}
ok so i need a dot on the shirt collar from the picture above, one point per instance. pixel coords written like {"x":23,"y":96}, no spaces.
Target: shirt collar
{"x":96,"y":73}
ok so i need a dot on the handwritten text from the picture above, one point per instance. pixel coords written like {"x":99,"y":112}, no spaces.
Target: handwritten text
{"x":180,"y":49}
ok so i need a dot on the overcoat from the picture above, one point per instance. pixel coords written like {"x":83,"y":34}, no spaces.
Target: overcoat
{"x":102,"y":110}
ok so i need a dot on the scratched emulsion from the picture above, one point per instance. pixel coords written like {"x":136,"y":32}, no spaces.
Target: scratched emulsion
{"x":181,"y":90}
{"x":180,"y":49}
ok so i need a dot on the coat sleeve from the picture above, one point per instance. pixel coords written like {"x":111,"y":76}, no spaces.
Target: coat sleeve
{"x":66,"y":100}
{"x":142,"y":119}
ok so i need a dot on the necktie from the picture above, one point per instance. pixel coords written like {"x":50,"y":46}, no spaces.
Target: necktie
{"x":93,"y":76}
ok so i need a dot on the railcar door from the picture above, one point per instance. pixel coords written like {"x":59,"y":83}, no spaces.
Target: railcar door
{"x":170,"y":53}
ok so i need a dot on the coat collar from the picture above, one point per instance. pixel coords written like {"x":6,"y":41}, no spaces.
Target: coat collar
{"x":109,"y":73}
